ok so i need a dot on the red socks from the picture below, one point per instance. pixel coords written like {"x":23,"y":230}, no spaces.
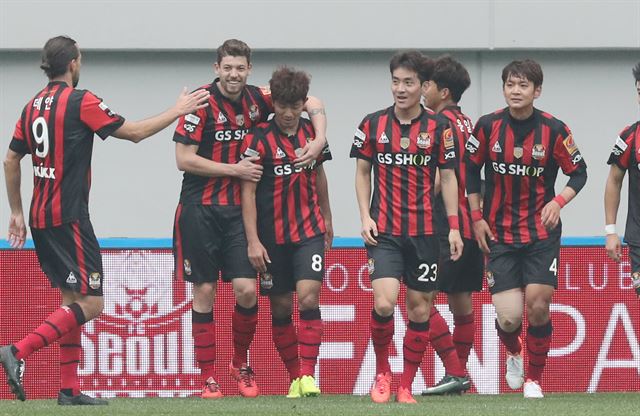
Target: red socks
{"x":463,"y":335}
{"x":70,"y":350}
{"x":442,"y":342}
{"x":415,"y":343}
{"x":538,"y":344}
{"x":243,"y":326}
{"x":381,"y":336}
{"x":511,"y":340}
{"x":58,"y":324}
{"x":286,"y":342}
{"x":309,"y":337}
{"x":204,"y":342}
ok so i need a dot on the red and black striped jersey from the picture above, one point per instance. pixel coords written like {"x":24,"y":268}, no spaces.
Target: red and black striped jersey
{"x":521,"y":160}
{"x":404,"y":159}
{"x":286,"y":197}
{"x":57,"y":128}
{"x":625,"y":155}
{"x":462,"y":128}
{"x":218,"y":131}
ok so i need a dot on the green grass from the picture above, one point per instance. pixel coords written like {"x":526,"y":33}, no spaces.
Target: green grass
{"x":614,"y":404}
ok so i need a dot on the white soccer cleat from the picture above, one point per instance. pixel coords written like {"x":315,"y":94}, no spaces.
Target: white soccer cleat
{"x":532,"y":390}
{"x":515,"y":371}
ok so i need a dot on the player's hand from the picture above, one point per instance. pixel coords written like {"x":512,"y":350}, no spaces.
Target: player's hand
{"x":455,"y":244}
{"x":328,"y":236}
{"x":550,"y":215}
{"x":17,"y":233}
{"x":369,"y":231}
{"x":258,"y":257}
{"x":247,"y":170}
{"x":190,"y":102}
{"x":614,"y":247}
{"x":309,"y":153}
{"x":482,"y":232}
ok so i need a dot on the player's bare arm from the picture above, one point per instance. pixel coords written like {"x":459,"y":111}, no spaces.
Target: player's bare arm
{"x":481,"y":229}
{"x":322,"y":187}
{"x":611,"y":205}
{"x":310,"y":152}
{"x":17,"y":232}
{"x":449,"y":189}
{"x":258,"y":255}
{"x":136,"y":131}
{"x":187,"y":160}
{"x":550,"y":214}
{"x":369,"y":228}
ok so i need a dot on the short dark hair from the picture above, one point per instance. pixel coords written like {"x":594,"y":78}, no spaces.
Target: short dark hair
{"x":288,"y":86}
{"x":412,"y":60}
{"x":233,"y":47}
{"x":57,"y":53}
{"x":636,"y":72}
{"x":451,"y":74}
{"x":527,"y":69}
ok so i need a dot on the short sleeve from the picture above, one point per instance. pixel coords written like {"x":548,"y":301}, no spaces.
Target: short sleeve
{"x":567,"y":154}
{"x":98,"y":116}
{"x":18,"y":143}
{"x":190,"y":127}
{"x":362,"y":146}
{"x":252,"y":145}
{"x":447,"y":150}
{"x":622,"y":149}
{"x":475,"y":147}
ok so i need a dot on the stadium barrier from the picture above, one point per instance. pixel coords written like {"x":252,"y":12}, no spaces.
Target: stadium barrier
{"x":141,"y":345}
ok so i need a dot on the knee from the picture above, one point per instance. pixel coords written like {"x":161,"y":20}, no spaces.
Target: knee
{"x":538,"y":311}
{"x":203,"y":296}
{"x":384,"y":307}
{"x":308,"y":302}
{"x":280,"y":307}
{"x":509,"y":323}
{"x":245,"y":295}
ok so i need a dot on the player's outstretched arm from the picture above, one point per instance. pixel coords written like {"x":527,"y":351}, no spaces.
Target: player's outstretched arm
{"x":449,"y":189}
{"x":258,"y":255}
{"x":310,"y":152}
{"x":188,"y":160}
{"x":322,"y":187}
{"x":17,"y":232}
{"x":136,"y":131}
{"x":369,"y":230}
{"x":611,"y":205}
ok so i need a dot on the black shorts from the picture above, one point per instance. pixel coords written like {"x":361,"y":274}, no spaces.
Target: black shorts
{"x":414,"y":260}
{"x":634,"y":256}
{"x":518,"y":265}
{"x":70,"y":257}
{"x":463,"y":275}
{"x":207,"y":240}
{"x":290,"y":263}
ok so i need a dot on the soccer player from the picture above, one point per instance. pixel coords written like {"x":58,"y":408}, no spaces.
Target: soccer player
{"x":521,"y":149}
{"x":404,"y":144}
{"x":287,"y":220}
{"x":57,"y":127}
{"x":625,"y":156}
{"x":458,"y":279}
{"x":208,"y":233}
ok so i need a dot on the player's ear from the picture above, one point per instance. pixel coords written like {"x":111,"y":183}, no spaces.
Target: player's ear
{"x":216,"y":68}
{"x":537,"y":91}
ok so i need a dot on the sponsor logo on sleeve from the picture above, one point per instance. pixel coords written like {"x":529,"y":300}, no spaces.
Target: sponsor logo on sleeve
{"x":250,"y":153}
{"x":570,"y":145}
{"x":106,"y":109}
{"x":619,"y":147}
{"x":192,"y":118}
{"x":472,"y":144}
{"x":448,"y":139}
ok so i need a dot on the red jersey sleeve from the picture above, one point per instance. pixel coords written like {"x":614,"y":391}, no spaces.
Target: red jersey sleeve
{"x":98,"y":117}
{"x":363,"y":144}
{"x":567,"y":154}
{"x":476,"y":145}
{"x":253,"y":146}
{"x":18,"y":143}
{"x":623,"y":148}
{"x":190,"y":127}
{"x":447,"y":150}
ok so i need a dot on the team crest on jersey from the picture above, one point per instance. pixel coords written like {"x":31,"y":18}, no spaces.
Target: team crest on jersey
{"x":187,"y":267}
{"x":95,"y":280}
{"x":538,"y":151}
{"x":71,"y":279}
{"x":448,"y":139}
{"x":405,"y":142}
{"x":240,"y":120}
{"x":490,"y":279}
{"x":635,"y":279}
{"x":280,"y":154}
{"x":371,"y":266}
{"x":496,"y":148}
{"x":383,"y":138}
{"x":424,"y":140}
{"x":254,"y":112}
{"x":518,"y":152}
{"x":221,"y":118}
{"x":570,"y":145}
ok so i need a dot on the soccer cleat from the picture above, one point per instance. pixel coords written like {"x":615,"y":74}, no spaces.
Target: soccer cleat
{"x":448,"y":385}
{"x":211,"y":390}
{"x":404,"y":396}
{"x":294,"y":389}
{"x":14,"y":369}
{"x":245,"y":377}
{"x":308,"y":387}
{"x":532,"y":390}
{"x":381,"y":389}
{"x":515,"y":371}
{"x":80,"y":400}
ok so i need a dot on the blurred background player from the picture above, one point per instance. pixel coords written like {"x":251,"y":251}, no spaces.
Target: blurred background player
{"x":448,"y":80}
{"x":521,"y":149}
{"x":625,"y":156}
{"x":287,"y":219}
{"x":208,"y":233}
{"x":57,"y":128}
{"x":405,"y":144}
